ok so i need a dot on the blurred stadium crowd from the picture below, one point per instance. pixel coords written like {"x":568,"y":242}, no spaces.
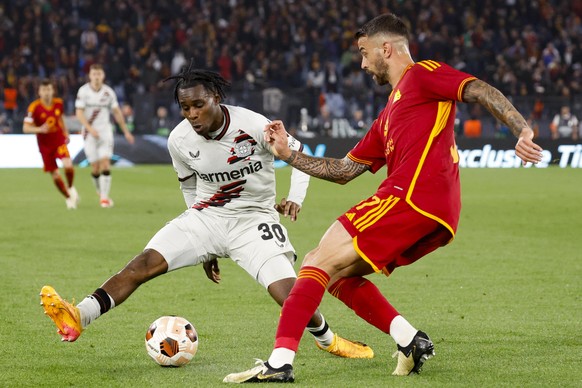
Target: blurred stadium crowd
{"x":294,"y":58}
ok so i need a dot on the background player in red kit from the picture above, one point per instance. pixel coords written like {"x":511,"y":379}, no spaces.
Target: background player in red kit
{"x":414,"y":211}
{"x":45,"y":119}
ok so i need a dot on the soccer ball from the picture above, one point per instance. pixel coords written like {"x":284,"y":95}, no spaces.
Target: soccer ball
{"x":171,"y":341}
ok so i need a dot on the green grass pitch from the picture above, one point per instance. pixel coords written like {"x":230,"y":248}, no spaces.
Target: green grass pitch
{"x":502,"y":303}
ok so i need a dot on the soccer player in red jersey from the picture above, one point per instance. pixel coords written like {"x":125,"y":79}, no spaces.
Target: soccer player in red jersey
{"x":414,"y":211}
{"x":45,"y":119}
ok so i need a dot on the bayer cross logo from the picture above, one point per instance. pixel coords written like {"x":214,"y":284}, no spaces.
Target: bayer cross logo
{"x":244,"y":149}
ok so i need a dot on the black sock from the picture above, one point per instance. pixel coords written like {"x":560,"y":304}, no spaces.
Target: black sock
{"x":103,"y":298}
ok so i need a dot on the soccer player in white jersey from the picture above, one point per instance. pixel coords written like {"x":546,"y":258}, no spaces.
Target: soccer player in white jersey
{"x":226,"y":173}
{"x":94,"y":105}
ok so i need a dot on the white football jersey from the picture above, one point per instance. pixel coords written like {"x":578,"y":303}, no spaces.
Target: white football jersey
{"x":232,"y":171}
{"x":97,"y":106}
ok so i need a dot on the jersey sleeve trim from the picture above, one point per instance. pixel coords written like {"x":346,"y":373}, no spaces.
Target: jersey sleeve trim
{"x":462,"y":87}
{"x":444,"y":111}
{"x":186,"y":178}
{"x":358,"y":160}
{"x":429,"y":65}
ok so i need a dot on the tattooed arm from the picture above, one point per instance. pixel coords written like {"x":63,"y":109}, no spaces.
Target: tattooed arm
{"x":496,"y":103}
{"x":500,"y":107}
{"x":334,"y":170}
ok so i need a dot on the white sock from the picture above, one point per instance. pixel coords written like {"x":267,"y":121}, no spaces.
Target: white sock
{"x":280,"y":357}
{"x":90,"y":310}
{"x":322,"y":334}
{"x":402,"y":331}
{"x":104,"y":185}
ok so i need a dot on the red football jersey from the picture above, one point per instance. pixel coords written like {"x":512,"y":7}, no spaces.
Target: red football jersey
{"x":413,"y":136}
{"x":38,"y":114}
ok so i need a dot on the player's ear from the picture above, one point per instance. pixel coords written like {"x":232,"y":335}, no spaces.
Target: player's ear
{"x":387,"y":49}
{"x":217,"y":99}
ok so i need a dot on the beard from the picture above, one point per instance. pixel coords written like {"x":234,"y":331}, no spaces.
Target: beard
{"x":381,"y":74}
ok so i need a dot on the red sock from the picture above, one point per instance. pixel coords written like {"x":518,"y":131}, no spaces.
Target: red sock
{"x":300,"y":306}
{"x":70,"y":174}
{"x":362,"y":296}
{"x":61,"y":186}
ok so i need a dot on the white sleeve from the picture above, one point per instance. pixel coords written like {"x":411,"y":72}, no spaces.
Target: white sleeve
{"x":188,"y":188}
{"x":114,"y":102}
{"x":299,"y":179}
{"x":80,"y":101}
{"x":186,"y":176}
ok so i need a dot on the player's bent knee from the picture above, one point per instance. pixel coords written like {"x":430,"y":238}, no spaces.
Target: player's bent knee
{"x":328,"y":265}
{"x":280,"y":289}
{"x":310,"y":258}
{"x":146,"y":265}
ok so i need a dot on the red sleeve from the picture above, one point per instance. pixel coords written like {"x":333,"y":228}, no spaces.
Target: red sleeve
{"x":370,"y":150}
{"x":440,"y":81}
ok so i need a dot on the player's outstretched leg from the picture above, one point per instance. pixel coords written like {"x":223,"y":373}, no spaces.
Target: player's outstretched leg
{"x":262,"y":373}
{"x":64,"y":314}
{"x":412,"y":357}
{"x":342,"y":347}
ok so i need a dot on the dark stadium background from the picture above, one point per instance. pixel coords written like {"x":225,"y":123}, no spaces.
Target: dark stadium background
{"x":282,"y":56}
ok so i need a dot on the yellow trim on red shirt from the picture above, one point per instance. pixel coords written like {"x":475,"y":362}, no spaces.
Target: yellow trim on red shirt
{"x":357,"y":160}
{"x":429,"y":65}
{"x":462,"y":87}
{"x":401,"y":75}
{"x":444,"y":110}
{"x":434,"y":63}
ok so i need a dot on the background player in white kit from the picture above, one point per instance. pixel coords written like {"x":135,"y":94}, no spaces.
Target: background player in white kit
{"x":226,"y":174}
{"x":95,"y":103}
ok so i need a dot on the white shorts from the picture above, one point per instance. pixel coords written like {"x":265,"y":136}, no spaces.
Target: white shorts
{"x":98,"y":149}
{"x":257,"y":242}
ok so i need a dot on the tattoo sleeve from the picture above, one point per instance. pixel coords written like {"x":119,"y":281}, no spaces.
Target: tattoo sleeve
{"x":334,"y":170}
{"x":496,"y":103}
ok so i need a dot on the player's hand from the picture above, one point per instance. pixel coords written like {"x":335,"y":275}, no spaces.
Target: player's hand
{"x":212,"y":270}
{"x":43,"y":128}
{"x":129,"y":137}
{"x":288,"y":209}
{"x":276,"y":135}
{"x":526,"y":149}
{"x":93,"y":133}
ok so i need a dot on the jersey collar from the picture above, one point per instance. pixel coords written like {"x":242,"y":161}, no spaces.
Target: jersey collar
{"x":225,"y":127}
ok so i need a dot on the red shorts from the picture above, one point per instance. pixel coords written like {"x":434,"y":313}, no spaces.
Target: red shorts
{"x":388,"y":233}
{"x":51,"y":154}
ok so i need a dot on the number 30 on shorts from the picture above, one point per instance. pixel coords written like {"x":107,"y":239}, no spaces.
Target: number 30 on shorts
{"x":272,"y":230}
